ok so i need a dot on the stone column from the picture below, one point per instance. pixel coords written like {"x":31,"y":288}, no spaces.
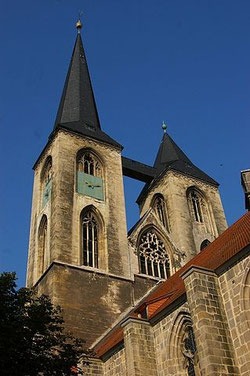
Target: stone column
{"x":139,"y":348}
{"x":215,"y":353}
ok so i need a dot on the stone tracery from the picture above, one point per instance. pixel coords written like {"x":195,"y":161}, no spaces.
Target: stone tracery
{"x":154,"y":259}
{"x":89,"y":164}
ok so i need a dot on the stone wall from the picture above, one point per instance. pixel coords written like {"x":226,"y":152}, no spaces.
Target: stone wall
{"x":185,"y":233}
{"x":91,"y":300}
{"x":168,"y":336}
{"x":94,"y":368}
{"x":217,"y":310}
{"x":235,"y":293}
{"x":215,"y":350}
{"x":139,"y":348}
{"x":116,"y":365}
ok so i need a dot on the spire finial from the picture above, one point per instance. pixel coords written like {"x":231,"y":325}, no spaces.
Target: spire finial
{"x":79,"y":22}
{"x":164,"y":127}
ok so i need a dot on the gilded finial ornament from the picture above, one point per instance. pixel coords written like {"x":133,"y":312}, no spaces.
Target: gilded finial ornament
{"x":79,"y":22}
{"x":164,"y":127}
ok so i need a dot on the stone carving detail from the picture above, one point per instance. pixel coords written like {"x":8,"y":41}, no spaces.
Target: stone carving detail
{"x":153,"y":256}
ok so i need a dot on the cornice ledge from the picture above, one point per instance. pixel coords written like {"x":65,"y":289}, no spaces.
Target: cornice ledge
{"x":197,"y":269}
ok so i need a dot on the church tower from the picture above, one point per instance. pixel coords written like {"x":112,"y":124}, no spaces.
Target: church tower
{"x":78,"y":187}
{"x":185,"y":199}
{"x":79,"y":251}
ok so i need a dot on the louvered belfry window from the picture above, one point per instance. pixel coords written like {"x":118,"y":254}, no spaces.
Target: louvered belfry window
{"x":153,"y":257}
{"x":197,"y":202}
{"x":89,"y":165}
{"x":160,"y":209}
{"x":90,"y":240}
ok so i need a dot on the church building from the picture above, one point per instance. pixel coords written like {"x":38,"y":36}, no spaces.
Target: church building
{"x":171,"y":296}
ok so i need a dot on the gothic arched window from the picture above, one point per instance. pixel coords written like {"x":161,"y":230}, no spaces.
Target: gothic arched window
{"x":153,"y":257}
{"x":196,"y":202}
{"x":88,"y":163}
{"x":46,"y":180}
{"x":189,"y":351}
{"x":42,"y":244}
{"x":89,"y":175}
{"x":204,"y":244}
{"x":90,"y":233}
{"x":158,"y":205}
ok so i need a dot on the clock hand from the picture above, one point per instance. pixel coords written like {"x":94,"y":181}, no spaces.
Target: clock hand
{"x":92,"y":185}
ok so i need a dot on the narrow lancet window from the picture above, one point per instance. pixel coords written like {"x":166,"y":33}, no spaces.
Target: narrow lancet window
{"x":159,"y":206}
{"x":189,"y":351}
{"x":90,"y":239}
{"x":153,"y":257}
{"x":196,"y":203}
{"x":42,"y":243}
{"x":46,"y":181}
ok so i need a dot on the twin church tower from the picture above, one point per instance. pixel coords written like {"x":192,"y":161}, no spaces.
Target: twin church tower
{"x":80,"y":252}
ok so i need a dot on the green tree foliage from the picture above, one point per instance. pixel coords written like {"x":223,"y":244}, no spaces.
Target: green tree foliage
{"x":32,"y":338}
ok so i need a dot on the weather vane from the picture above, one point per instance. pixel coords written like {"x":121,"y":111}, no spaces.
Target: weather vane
{"x":79,"y":23}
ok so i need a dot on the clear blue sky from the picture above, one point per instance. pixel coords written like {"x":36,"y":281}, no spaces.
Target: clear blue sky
{"x":186,"y":62}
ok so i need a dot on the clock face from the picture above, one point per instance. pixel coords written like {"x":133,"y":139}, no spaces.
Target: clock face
{"x":90,"y":185}
{"x":46,"y":192}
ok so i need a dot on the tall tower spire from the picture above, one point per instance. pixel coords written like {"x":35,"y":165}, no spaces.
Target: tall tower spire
{"x":77,"y":102}
{"x":77,"y":110}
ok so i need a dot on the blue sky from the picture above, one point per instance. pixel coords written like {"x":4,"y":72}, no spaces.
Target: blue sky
{"x":186,"y":62}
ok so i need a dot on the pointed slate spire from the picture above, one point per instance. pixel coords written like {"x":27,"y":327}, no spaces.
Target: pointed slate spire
{"x":170,"y":156}
{"x":77,"y":109}
{"x":169,"y":152}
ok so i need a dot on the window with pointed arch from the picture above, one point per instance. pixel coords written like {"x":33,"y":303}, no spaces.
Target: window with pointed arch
{"x":42,"y":244}
{"x":153,"y":256}
{"x":197,"y":205}
{"x":89,"y":174}
{"x":46,"y":180}
{"x":158,"y":204}
{"x":90,"y":238}
{"x":204,"y":244}
{"x":189,"y":352}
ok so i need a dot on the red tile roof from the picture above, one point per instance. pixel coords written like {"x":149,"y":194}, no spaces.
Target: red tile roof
{"x":222,"y":249}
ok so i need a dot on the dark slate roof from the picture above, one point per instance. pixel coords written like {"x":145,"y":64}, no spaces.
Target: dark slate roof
{"x":171,"y":157}
{"x":77,"y":110}
{"x":169,"y":152}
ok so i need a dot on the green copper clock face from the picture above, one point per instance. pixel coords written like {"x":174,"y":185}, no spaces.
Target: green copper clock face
{"x":90,"y":185}
{"x":46,"y":193}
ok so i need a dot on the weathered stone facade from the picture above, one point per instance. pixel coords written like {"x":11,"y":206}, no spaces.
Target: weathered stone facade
{"x":123,"y":293}
{"x":186,"y":233}
{"x":219,"y":317}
